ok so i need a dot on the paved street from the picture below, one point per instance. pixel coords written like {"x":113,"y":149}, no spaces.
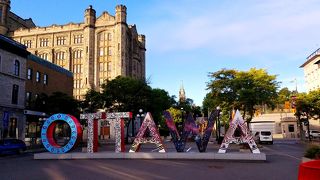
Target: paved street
{"x":282,"y":163}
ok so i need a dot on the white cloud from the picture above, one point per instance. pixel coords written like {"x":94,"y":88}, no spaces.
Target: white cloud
{"x":269,"y":27}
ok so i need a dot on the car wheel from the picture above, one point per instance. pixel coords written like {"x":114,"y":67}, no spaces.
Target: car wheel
{"x":311,"y":137}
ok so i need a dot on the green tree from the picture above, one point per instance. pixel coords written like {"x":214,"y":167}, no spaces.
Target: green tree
{"x":176,"y":114}
{"x":242,"y":90}
{"x":223,"y":89}
{"x":60,"y":102}
{"x":303,"y":110}
{"x":93,"y":101}
{"x":313,"y":98}
{"x":283,"y":96}
{"x":126,"y":94}
{"x":160,"y":101}
{"x":256,"y":87}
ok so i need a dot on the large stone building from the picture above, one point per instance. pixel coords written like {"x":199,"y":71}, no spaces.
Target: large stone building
{"x":311,"y":70}
{"x":101,"y":48}
{"x":13,"y":59}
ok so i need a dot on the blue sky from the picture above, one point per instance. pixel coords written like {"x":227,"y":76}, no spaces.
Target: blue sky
{"x":188,"y":39}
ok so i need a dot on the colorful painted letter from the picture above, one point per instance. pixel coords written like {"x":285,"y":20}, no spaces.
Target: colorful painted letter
{"x":180,"y":140}
{"x":190,"y":128}
{"x":202,"y":142}
{"x":149,"y":124}
{"x":48,"y":128}
{"x":245,"y":137}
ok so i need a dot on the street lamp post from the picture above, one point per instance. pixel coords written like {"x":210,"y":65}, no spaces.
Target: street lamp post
{"x":140,"y":115}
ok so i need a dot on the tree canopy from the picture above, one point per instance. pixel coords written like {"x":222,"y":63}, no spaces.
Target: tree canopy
{"x":244,"y":90}
{"x":308,"y":104}
{"x":128,"y":94}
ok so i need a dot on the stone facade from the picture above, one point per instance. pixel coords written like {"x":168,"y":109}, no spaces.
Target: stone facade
{"x":311,"y":70}
{"x":9,"y":21}
{"x":99,"y":49}
{"x":13,"y":57}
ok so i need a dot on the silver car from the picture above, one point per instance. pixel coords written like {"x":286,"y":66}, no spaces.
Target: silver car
{"x":313,"y":134}
{"x":263,"y":136}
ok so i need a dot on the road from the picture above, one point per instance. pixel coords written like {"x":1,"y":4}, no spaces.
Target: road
{"x":282,"y":163}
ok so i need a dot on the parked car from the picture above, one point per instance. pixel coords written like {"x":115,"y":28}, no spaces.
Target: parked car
{"x":9,"y":146}
{"x":263,"y":136}
{"x":313,"y":134}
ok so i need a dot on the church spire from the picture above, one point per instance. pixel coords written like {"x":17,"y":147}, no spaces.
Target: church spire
{"x":182,"y":94}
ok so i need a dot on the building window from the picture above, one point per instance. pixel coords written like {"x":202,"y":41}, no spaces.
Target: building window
{"x":12,"y":128}
{"x":109,"y":36}
{"x":101,"y":36}
{"x":291,"y":128}
{"x":28,"y":98}
{"x":16,"y":67}
{"x":60,"y":59}
{"x":77,"y":83}
{"x":109,"y":51}
{"x":59,"y":55}
{"x":109,"y":66}
{"x":44,"y":42}
{"x":37,"y":76}
{"x":77,"y":54}
{"x":44,"y":56}
{"x":101,"y":64}
{"x":101,"y":51}
{"x":61,"y":40}
{"x":29,"y":74}
{"x":77,"y":68}
{"x":45,"y":79}
{"x":78,"y":38}
{"x":27,"y":43}
{"x":15,"y":93}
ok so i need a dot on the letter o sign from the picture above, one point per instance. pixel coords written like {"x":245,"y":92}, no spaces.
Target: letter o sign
{"x":48,"y":128}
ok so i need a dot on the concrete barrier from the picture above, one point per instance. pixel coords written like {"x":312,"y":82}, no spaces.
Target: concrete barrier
{"x":146,"y":155}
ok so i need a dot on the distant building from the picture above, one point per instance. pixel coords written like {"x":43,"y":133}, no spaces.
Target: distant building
{"x":182,"y":94}
{"x":311,"y":70}
{"x":42,"y":79}
{"x":13,"y":59}
{"x":98,"y":49}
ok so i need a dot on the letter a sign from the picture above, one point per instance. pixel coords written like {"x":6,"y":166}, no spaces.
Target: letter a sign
{"x":147,"y":124}
{"x":246,"y":137}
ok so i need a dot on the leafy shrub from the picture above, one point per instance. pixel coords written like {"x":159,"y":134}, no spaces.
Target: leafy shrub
{"x":313,"y":152}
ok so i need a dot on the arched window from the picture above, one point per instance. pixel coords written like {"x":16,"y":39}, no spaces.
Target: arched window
{"x":44,"y":56}
{"x":60,"y":58}
{"x":16,"y":67}
{"x":77,"y":61}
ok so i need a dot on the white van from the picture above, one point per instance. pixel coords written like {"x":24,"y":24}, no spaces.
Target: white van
{"x":263,"y":136}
